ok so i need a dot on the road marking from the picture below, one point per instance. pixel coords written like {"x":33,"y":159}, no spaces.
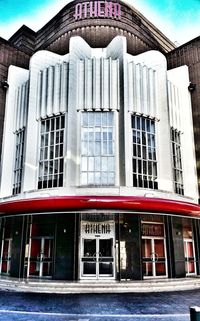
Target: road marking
{"x":87,"y":315}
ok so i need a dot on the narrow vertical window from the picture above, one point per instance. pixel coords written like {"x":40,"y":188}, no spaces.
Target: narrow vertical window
{"x":177,"y":161}
{"x":144,"y":152}
{"x":51,"y":152}
{"x":19,"y":161}
{"x":97,"y":148}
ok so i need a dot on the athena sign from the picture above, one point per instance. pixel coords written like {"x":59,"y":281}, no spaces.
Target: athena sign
{"x":97,"y":9}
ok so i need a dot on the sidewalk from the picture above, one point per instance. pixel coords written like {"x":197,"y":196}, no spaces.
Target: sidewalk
{"x":160,"y":306}
{"x":92,"y":286}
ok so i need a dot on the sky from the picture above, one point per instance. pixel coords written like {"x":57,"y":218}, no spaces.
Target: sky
{"x":179,"y":20}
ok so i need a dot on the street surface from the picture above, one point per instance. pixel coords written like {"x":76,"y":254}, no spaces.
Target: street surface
{"x":169,"y":306}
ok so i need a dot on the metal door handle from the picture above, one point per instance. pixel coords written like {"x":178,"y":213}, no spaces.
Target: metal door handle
{"x":154,"y":257}
{"x":100,"y":257}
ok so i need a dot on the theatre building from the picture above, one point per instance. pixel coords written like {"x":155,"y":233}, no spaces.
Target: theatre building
{"x":98,"y":166}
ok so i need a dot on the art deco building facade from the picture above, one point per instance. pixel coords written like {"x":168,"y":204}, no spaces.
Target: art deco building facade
{"x":98,"y":167}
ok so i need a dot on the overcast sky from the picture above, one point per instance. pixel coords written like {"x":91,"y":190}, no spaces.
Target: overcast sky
{"x":179,"y":20}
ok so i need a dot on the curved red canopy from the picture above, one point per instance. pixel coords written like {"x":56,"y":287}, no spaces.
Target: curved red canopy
{"x":84,"y":203}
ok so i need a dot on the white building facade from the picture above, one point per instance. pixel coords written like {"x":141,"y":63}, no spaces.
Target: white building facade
{"x":98,"y":173}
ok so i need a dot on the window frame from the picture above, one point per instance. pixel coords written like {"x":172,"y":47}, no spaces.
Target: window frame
{"x":51,"y":152}
{"x":144,"y":152}
{"x":98,"y":176}
{"x":19,"y":157}
{"x":175,"y":136}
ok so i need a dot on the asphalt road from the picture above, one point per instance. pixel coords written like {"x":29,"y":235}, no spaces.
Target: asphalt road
{"x":169,"y":306}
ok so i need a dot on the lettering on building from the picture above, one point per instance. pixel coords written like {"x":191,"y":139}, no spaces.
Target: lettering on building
{"x":97,"y":9}
{"x":97,"y":228}
{"x":152,"y":230}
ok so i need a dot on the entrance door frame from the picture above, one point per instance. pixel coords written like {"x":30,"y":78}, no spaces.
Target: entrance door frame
{"x":187,"y":258}
{"x":97,"y":237}
{"x":41,"y":257}
{"x":8,"y":259}
{"x":97,"y":259}
{"x":153,"y":253}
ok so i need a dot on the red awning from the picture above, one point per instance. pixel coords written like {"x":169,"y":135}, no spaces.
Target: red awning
{"x":84,"y":203}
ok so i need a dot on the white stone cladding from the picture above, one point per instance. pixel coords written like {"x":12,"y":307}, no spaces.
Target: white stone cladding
{"x":15,"y":119}
{"x":106,"y":79}
{"x":180,"y":113}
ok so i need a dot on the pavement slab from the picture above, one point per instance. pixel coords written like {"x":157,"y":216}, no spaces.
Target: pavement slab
{"x":168,"y":306}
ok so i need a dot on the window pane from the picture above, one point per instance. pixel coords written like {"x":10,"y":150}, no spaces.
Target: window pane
{"x":85,"y":119}
{"x":91,"y":164}
{"x":91,"y":136}
{"x":57,"y":137}
{"x":42,"y":128}
{"x":57,"y":123}
{"x":90,"y":178}
{"x":111,"y":165}
{"x":83,"y":178}
{"x":110,"y":119}
{"x":61,"y":165}
{"x":105,"y":148}
{"x":104,"y":178}
{"x":97,"y":163}
{"x":91,"y":119}
{"x":84,"y":135}
{"x":110,"y":148}
{"x":134,"y":136}
{"x":84,"y":164}
{"x":104,"y":164}
{"x":110,"y":134}
{"x":98,"y":136}
{"x":98,"y":148}
{"x":61,"y":150}
{"x":91,"y":148}
{"x":104,"y":119}
{"x":47,"y":125}
{"x":52,"y":124}
{"x":138,"y":122}
{"x":111,"y":178}
{"x":84,"y":148}
{"x":143,"y":124}
{"x":97,"y":178}
{"x":98,"y":119}
{"x":56,"y":151}
{"x":52,"y":139}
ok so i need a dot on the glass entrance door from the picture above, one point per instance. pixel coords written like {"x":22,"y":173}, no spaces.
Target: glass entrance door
{"x":97,"y":259}
{"x":6,"y":256}
{"x":189,"y":248}
{"x":40,"y":257}
{"x":154,"y":257}
{"x":190,"y":266}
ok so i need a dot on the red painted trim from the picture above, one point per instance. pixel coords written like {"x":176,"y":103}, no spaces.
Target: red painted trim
{"x":117,"y":203}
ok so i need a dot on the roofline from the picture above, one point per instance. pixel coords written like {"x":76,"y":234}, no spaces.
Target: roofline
{"x":9,"y":44}
{"x":68,"y":5}
{"x":23,"y":28}
{"x":184,"y":45}
{"x":149,"y":23}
